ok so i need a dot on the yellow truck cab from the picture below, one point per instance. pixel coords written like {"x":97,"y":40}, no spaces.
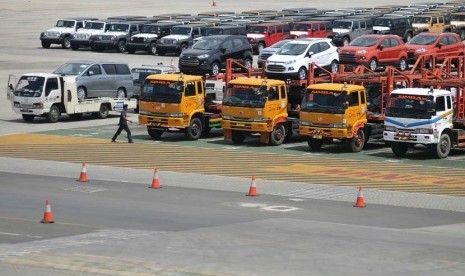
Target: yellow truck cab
{"x":253,"y":105}
{"x":177,"y":102}
{"x":334,"y":111}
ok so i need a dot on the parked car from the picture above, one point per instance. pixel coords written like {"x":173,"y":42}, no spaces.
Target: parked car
{"x":293,"y":58}
{"x":147,"y":39}
{"x":458,"y":24}
{"x":373,"y":50}
{"x":262,"y":35}
{"x":99,"y":79}
{"x":209,"y":55}
{"x":224,"y":30}
{"x":117,"y":36}
{"x":443,"y":44}
{"x":400,"y":26}
{"x":312,"y":29}
{"x":62,"y":31}
{"x":346,"y":30}
{"x":84,"y":37}
{"x":269,"y":51}
{"x":431,"y":22}
{"x":180,"y":39}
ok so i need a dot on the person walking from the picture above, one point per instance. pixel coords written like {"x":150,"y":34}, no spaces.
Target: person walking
{"x":123,"y":124}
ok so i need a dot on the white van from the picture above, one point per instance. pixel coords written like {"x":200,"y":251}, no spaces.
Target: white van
{"x":100,"y":79}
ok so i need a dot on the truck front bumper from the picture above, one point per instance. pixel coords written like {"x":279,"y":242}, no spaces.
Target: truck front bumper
{"x":163,"y":122}
{"x":81,"y":42}
{"x":252,"y":127}
{"x":138,"y":46}
{"x":320,"y":133}
{"x":169,"y":47}
{"x":105,"y":44}
{"x":29,"y":111}
{"x":414,"y":138}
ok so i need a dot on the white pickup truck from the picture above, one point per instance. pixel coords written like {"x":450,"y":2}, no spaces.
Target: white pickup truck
{"x":50,"y":95}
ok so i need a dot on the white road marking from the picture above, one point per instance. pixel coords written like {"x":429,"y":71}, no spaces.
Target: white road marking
{"x":279,"y":208}
{"x":20,"y":235}
{"x":85,"y":189}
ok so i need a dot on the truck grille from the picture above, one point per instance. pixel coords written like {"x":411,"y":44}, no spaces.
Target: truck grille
{"x":138,"y":39}
{"x":406,"y":130}
{"x":189,"y":62}
{"x":276,"y":68}
{"x":53,"y":34}
{"x":347,"y":57}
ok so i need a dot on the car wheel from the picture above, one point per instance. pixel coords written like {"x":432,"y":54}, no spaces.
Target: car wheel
{"x":45,"y":45}
{"x":345,"y":41}
{"x":121,"y":93}
{"x":154,"y":133}
{"x":53,"y":115}
{"x":215,"y":69}
{"x":66,"y":44}
{"x":277,"y":135}
{"x":153,"y":49}
{"x":247,"y":62}
{"x":408,"y":37}
{"x":260,"y":47}
{"x":81,"y":93}
{"x":302,"y":73}
{"x":403,"y":64}
{"x":373,"y":64}
{"x":334,"y":66}
{"x":194,"y":131}
{"x":121,"y":46}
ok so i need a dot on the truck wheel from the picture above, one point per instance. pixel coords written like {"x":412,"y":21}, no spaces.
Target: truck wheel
{"x":102,"y":113}
{"x":302,"y":73}
{"x":28,"y":118}
{"x":153,"y":49}
{"x":194,"y":131}
{"x":277,"y":135}
{"x":121,"y":46}
{"x":399,"y":149}
{"x":442,"y":149}
{"x":121,"y":93}
{"x":53,"y":115}
{"x":238,"y":137}
{"x":215,"y":70}
{"x":373,"y":64}
{"x":403,"y":64}
{"x":81,"y":93}
{"x":45,"y":45}
{"x":66,"y":44}
{"x":357,"y":143}
{"x":315,"y":144}
{"x":155,"y":133}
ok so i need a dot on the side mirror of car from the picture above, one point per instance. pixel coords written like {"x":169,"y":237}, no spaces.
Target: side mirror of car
{"x":381,"y":47}
{"x":310,"y":54}
{"x":439,"y":45}
{"x":90,"y":73}
{"x":223,"y":50}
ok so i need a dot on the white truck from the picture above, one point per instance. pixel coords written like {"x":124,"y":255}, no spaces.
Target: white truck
{"x":50,"y":95}
{"x":424,"y":116}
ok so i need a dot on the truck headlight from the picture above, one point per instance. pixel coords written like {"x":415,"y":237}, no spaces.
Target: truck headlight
{"x":37,"y":105}
{"x":390,"y":128}
{"x":424,"y":130}
{"x":227,"y":117}
{"x":143,"y":112}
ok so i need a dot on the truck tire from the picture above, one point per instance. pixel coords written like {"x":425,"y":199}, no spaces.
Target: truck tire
{"x":53,"y":115}
{"x":153,"y":48}
{"x":238,"y":136}
{"x":45,"y":45}
{"x":277,"y":135}
{"x":334,"y":66}
{"x":155,"y":133}
{"x":442,"y":149}
{"x":399,"y":149}
{"x":357,"y":143}
{"x":102,"y":113}
{"x":28,"y":118}
{"x":315,"y":144}
{"x":66,"y":43}
{"x":194,"y":131}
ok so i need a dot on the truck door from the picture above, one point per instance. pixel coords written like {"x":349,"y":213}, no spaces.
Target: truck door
{"x":436,"y":24}
{"x":273,"y":105}
{"x":52,"y":92}
{"x":190,"y":101}
{"x":441,"y":108}
{"x":353,"y":110}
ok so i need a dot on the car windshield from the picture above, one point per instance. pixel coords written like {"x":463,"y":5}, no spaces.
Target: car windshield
{"x":410,"y":106}
{"x":65,"y":24}
{"x":162,"y":91}
{"x":423,"y":40}
{"x":246,"y":95}
{"x":257,"y":30}
{"x":326,"y":101}
{"x":342,"y":25}
{"x":118,"y":27}
{"x":181,"y":31}
{"x":72,"y":68}
{"x":94,"y":25}
{"x":29,"y":86}
{"x":364,"y":41}
{"x":422,"y":19}
{"x":207,"y":44}
{"x":279,"y":44}
{"x":292,"y":49}
{"x":302,"y":27}
{"x":214,"y":31}
{"x":151,"y":29}
{"x":382,"y":22}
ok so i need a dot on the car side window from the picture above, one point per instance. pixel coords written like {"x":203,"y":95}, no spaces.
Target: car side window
{"x":362,"y":96}
{"x":362,"y":25}
{"x":133,"y":28}
{"x":199,"y":87}
{"x":394,"y":42}
{"x":314,"y":27}
{"x":122,"y":69}
{"x":228,"y":45}
{"x":434,"y":20}
{"x":323,"y":27}
{"x":110,"y":69}
{"x":238,"y":43}
{"x":324,"y":46}
{"x":453,"y":40}
{"x":353,"y":99}
{"x":449,"y":103}
{"x":195,"y":32}
{"x":283,"y":92}
{"x":190,"y":89}
{"x":385,"y":43}
{"x":271,"y":30}
{"x":314,"y":49}
{"x":79,"y":25}
{"x":441,"y":20}
{"x":279,"y":29}
{"x":444,"y":40}
{"x":95,"y":69}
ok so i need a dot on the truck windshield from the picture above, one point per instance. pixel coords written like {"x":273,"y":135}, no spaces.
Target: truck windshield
{"x":324,"y":101}
{"x":29,"y":86}
{"x":94,"y":25}
{"x":410,"y":106}
{"x":245,"y":95}
{"x":65,"y":24}
{"x":119,"y":28}
{"x":72,"y":68}
{"x":423,"y":40}
{"x":162,"y":91}
{"x":181,"y":31}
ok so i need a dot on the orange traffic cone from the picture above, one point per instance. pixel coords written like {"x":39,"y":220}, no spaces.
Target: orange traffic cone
{"x":48,"y":218}
{"x":83,"y":175}
{"x":155,"y":181}
{"x":253,"y":188}
{"x":214,"y":3}
{"x":360,"y":202}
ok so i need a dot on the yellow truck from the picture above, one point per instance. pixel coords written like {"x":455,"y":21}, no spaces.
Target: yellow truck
{"x":338,"y":111}
{"x":178,"y":103}
{"x":254,"y":105}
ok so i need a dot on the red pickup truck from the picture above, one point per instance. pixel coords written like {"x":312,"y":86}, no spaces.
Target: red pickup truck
{"x":262,"y":35}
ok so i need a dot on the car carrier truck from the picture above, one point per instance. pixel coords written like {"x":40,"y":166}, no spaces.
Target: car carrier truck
{"x":51,"y":95}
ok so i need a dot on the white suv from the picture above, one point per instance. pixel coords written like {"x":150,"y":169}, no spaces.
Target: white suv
{"x":293,"y":59}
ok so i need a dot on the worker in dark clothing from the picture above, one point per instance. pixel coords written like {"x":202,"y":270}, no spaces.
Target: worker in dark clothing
{"x":123,"y":124}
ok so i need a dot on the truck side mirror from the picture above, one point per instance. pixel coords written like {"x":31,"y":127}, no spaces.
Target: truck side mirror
{"x":11,"y":88}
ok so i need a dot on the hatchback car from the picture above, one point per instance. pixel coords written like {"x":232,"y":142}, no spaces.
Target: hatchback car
{"x":292,"y":60}
{"x":269,"y":51}
{"x":442,"y":44}
{"x":209,"y":55}
{"x":374,"y":50}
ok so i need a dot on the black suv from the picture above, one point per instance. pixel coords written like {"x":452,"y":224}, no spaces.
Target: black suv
{"x":147,"y":39}
{"x":209,"y":55}
{"x":400,"y":26}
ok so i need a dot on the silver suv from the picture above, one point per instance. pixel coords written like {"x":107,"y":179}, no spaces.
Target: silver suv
{"x":99,"y":79}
